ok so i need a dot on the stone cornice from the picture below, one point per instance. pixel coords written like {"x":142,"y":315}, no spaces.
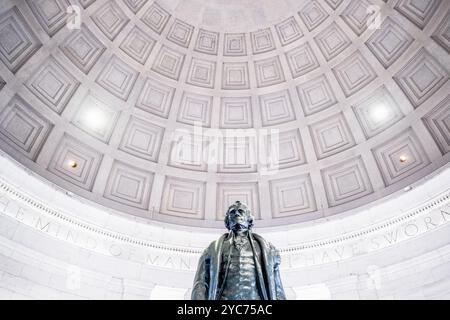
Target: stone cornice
{"x":48,"y":211}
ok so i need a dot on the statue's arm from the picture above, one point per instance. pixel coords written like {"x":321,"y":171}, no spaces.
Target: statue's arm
{"x":201,"y":280}
{"x":276,"y":270}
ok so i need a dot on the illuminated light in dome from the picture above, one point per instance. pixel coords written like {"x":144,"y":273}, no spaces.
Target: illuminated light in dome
{"x":94,"y":118}
{"x":72,"y":163}
{"x":379,"y":112}
{"x":403,"y":158}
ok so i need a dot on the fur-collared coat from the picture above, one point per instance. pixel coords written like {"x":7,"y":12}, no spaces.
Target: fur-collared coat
{"x":206,"y":280}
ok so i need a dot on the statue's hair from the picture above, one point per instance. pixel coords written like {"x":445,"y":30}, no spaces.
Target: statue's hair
{"x":236,"y":206}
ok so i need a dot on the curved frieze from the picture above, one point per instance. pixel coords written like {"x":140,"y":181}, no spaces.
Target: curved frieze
{"x":22,"y":203}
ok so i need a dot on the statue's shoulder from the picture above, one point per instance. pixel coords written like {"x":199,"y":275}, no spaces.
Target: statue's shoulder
{"x":214,"y":244}
{"x":261,"y":240}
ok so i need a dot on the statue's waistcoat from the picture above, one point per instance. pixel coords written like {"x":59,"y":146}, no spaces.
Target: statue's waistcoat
{"x":207,"y":281}
{"x":240,"y":281}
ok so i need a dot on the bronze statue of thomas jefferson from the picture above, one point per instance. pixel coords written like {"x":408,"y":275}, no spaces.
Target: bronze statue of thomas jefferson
{"x":240,"y":265}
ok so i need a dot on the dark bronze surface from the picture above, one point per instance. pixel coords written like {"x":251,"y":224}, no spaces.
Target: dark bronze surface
{"x":240,"y":265}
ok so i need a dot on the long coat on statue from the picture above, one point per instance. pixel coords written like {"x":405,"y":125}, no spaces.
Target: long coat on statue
{"x":206,"y":282}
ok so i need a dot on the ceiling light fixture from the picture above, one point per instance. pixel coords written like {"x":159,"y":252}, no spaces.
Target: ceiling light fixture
{"x":403,"y":158}
{"x":94,"y":118}
{"x":379,"y":112}
{"x":72,"y":163}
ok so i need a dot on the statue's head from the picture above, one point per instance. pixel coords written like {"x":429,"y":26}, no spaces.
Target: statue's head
{"x":238,"y":217}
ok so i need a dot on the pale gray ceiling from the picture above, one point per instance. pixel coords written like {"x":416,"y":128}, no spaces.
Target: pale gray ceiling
{"x":108,"y":111}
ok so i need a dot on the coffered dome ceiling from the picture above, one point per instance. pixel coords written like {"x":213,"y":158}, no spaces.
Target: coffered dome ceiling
{"x":139,"y":109}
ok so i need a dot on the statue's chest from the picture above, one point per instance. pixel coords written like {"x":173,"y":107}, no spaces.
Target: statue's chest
{"x":240,"y":251}
{"x":239,"y":258}
{"x":240,"y":283}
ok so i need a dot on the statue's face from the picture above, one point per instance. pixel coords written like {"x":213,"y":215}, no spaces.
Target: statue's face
{"x":238,"y":218}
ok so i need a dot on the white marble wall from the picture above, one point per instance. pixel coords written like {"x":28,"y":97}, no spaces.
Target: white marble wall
{"x":123,"y":258}
{"x":29,"y":275}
